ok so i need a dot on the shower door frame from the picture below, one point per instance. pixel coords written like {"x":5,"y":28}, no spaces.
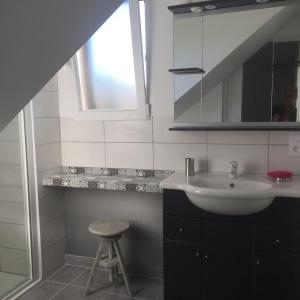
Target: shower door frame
{"x":29,"y":173}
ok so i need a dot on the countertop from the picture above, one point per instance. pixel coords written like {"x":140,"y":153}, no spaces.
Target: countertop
{"x":111,"y":179}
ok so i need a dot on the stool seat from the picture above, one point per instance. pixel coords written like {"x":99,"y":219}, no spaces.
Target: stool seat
{"x":109,"y":228}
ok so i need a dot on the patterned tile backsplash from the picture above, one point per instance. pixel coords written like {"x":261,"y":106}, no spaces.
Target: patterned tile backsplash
{"x":109,"y":179}
{"x":117,"y":172}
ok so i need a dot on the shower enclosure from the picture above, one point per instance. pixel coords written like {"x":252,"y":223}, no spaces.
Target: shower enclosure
{"x":19,"y":257}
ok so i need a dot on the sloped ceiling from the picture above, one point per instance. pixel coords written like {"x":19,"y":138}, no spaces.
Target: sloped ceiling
{"x":37,"y":37}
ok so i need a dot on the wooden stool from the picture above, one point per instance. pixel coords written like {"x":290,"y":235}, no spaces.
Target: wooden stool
{"x":109,"y":233}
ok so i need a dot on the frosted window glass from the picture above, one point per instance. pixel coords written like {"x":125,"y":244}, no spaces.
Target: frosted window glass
{"x":106,"y":65}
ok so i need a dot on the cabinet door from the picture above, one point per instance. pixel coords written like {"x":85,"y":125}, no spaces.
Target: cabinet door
{"x":182,"y":271}
{"x":228,"y":261}
{"x":182,"y":229}
{"x":277,"y":277}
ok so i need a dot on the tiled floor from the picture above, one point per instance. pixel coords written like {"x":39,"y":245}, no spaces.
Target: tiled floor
{"x":69,"y":283}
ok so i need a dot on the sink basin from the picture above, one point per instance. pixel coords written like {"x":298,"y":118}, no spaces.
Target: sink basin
{"x":229,"y":197}
{"x":221,"y":195}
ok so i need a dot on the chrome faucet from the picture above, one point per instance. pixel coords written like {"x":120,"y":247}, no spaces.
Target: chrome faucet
{"x":233,"y":169}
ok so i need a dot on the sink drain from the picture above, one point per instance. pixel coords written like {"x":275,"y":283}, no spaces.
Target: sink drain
{"x":232,"y":185}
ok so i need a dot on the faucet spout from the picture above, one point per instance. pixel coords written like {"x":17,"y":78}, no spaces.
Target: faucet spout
{"x":233,"y":169}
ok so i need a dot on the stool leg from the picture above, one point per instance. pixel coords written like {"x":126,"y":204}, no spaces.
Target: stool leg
{"x":92,"y":275}
{"x":110,"y":256}
{"x":116,"y":273}
{"x":122,"y":267}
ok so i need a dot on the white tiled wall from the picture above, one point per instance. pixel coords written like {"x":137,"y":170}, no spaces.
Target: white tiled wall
{"x":12,"y":221}
{"x":150,"y":144}
{"x":48,"y":161}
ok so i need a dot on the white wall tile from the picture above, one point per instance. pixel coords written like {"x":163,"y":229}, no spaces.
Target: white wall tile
{"x":45,"y":104}
{"x":51,"y":206}
{"x":279,"y":138}
{"x":250,"y":158}
{"x":281,"y":160}
{"x":11,"y":175}
{"x":129,"y":155}
{"x":14,"y":261}
{"x":52,"y":85}
{"x":128,"y":131}
{"x":238,"y":137}
{"x":12,"y":212}
{"x":10,"y":152}
{"x":48,"y":156}
{"x":53,"y":258}
{"x":46,"y":131}
{"x":53,"y":231}
{"x":161,"y":133}
{"x":83,"y":154}
{"x":81,"y":131}
{"x":11,"y":194}
{"x":11,"y":131}
{"x":171,"y":156}
{"x":13,"y":236}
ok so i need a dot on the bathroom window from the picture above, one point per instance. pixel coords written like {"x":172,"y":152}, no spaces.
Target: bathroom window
{"x":111,"y":66}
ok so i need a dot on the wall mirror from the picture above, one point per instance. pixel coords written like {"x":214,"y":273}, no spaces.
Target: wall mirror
{"x":237,"y":64}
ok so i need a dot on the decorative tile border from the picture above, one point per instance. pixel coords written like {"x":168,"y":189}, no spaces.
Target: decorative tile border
{"x":117,"y":172}
{"x":109,"y":179}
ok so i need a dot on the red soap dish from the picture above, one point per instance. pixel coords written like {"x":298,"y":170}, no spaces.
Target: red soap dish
{"x":280,"y":176}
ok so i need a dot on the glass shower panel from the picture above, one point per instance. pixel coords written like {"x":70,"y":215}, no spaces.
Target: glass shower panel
{"x":15,"y":257}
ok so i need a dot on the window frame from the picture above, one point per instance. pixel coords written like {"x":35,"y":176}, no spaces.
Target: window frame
{"x":141,"y":112}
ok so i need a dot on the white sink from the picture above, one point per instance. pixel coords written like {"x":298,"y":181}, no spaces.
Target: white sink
{"x":221,"y":195}
{"x":229,"y":197}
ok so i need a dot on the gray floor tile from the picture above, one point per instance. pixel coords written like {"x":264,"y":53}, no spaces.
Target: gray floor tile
{"x":77,"y":293}
{"x":141,"y":287}
{"x":117,"y":297}
{"x":66,"y":274}
{"x":43,"y":291}
{"x":100,"y":282}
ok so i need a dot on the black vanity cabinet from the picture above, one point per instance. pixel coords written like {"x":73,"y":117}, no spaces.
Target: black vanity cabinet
{"x":215,"y":257}
{"x":227,"y":255}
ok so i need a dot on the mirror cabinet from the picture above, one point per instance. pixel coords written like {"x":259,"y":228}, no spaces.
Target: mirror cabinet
{"x":236,"y":65}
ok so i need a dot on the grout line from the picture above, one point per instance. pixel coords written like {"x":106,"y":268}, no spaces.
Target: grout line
{"x":46,"y":144}
{"x":53,"y":244}
{"x":66,"y":284}
{"x":104,"y":142}
{"x":153,"y":152}
{"x":165,"y":143}
{"x":106,"y":293}
{"x":48,"y":91}
{"x":54,"y":273}
{"x":38,"y":117}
